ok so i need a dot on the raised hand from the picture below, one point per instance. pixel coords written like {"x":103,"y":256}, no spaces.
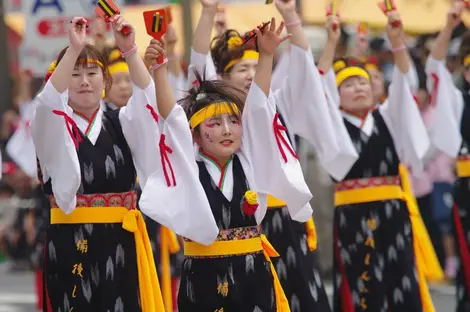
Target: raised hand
{"x":394,"y":26}
{"x":77,"y":34}
{"x":453,"y":16}
{"x":155,"y":49}
{"x":210,"y":3}
{"x":285,"y":6}
{"x":270,"y":39}
{"x":332,"y":26}
{"x":170,"y":36}
{"x":124,"y":42}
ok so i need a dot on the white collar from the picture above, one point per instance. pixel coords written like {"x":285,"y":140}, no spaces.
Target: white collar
{"x":366,"y":125}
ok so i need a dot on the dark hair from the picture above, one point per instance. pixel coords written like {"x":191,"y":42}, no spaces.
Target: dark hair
{"x":208,"y":92}
{"x":222,"y":54}
{"x":90,"y":52}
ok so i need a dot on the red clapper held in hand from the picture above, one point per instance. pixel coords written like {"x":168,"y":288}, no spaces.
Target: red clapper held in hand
{"x":332,"y":9}
{"x":389,"y":6}
{"x":156,"y":24}
{"x":107,"y":9}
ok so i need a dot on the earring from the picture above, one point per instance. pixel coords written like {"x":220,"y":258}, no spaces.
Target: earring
{"x":103,"y":93}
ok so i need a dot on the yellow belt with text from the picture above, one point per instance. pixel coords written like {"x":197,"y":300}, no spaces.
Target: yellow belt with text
{"x":274,"y":203}
{"x":427,"y":264}
{"x":132,"y":221}
{"x":244,"y":246}
{"x":463,"y":168}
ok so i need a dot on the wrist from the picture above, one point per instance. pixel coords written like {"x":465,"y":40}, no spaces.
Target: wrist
{"x":209,"y":11}
{"x":447,"y":31}
{"x":72,"y":52}
{"x":290,"y":17}
{"x":397,"y":42}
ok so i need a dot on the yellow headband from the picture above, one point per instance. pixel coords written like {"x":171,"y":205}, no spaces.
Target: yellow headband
{"x":466,"y":61}
{"x":247,"y":55}
{"x":350,"y":72}
{"x":119,"y":67}
{"x":92,"y":61}
{"x":212,"y":110}
{"x":370,"y":66}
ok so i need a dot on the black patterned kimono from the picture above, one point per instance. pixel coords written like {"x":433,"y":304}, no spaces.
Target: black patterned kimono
{"x":92,"y":267}
{"x":461,"y":214}
{"x":374,"y":260}
{"x":227,"y":283}
{"x":297,"y":265}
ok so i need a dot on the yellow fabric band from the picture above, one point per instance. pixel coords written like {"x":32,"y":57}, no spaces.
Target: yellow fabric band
{"x":427,"y":264}
{"x":274,"y":203}
{"x":350,"y":72}
{"x":212,"y":110}
{"x":236,"y":247}
{"x":463,"y":168}
{"x":370,"y":66}
{"x":119,"y":67}
{"x":466,"y":61}
{"x":92,"y":61}
{"x":168,"y":245}
{"x":132,"y":221}
{"x":247,"y":55}
{"x":368,"y":194}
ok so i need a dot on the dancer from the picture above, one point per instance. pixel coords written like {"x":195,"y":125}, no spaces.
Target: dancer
{"x":231,"y":274}
{"x":375,"y":234}
{"x":98,"y":256}
{"x":235,"y":62}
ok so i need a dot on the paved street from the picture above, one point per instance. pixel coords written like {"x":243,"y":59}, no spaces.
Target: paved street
{"x":17,"y":293}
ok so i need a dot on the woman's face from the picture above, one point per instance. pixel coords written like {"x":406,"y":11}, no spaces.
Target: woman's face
{"x":356,"y":94}
{"x":121,"y":89}
{"x":242,"y":74}
{"x":86,"y":87}
{"x":220,"y":136}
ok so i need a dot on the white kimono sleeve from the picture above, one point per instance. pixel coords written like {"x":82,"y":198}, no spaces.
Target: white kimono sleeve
{"x":141,"y":131}
{"x":329,"y":83}
{"x":183,"y":206}
{"x":55,"y":148}
{"x":303,"y":99}
{"x":280,"y":71}
{"x":264,"y":147}
{"x":404,"y":121}
{"x":447,"y":102}
{"x":178,"y":85}
{"x":203,"y":64}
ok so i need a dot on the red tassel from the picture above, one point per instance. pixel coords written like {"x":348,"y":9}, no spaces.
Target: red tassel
{"x":345,"y":297}
{"x":280,"y":140}
{"x":249,"y":209}
{"x":463,"y":247}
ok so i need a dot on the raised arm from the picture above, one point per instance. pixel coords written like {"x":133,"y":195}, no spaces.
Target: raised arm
{"x":182,"y":204}
{"x":138,"y":121}
{"x":265,"y":145}
{"x":202,"y":34}
{"x":52,"y":127}
{"x":446,"y":99}
{"x":126,"y":43}
{"x":400,"y":111}
{"x":325,"y":63}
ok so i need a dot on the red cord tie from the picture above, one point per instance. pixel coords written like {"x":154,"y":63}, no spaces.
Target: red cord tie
{"x":71,"y":127}
{"x":27,"y":125}
{"x":280,"y":138}
{"x":164,"y":151}
{"x":152,"y":112}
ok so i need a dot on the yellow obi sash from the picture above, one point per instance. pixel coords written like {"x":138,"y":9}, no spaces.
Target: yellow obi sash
{"x":242,"y":246}
{"x":132,"y":221}
{"x":463,"y":167}
{"x":168,"y":245}
{"x":274,"y":203}
{"x":388,"y":188}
